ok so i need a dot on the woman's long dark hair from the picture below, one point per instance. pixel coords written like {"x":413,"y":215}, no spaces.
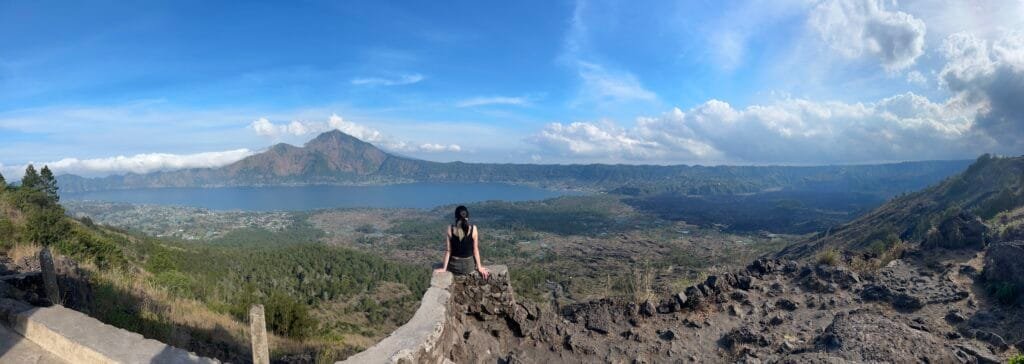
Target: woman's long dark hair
{"x":462,"y":218}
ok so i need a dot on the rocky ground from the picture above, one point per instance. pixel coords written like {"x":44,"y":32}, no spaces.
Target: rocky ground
{"x":933,"y":305}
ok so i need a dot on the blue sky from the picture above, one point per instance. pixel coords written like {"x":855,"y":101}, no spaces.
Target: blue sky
{"x":117,"y":87}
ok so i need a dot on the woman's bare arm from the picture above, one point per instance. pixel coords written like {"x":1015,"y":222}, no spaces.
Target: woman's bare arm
{"x":476,"y":254}
{"x":447,"y":250}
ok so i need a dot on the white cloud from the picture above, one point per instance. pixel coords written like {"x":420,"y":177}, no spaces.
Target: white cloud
{"x":593,"y":140}
{"x":388,"y":81}
{"x":265,"y":127}
{"x":985,"y":78}
{"x":902,"y":127}
{"x":493,"y":100}
{"x":598,"y":83}
{"x":602,"y":85}
{"x":139,"y":163}
{"x":916,"y":78}
{"x":440,"y":148}
{"x":361,"y":132}
{"x":989,"y":75}
{"x":856,"y":28}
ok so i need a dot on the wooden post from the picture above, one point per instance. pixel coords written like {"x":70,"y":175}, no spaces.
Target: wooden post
{"x":49,"y":276}
{"x":258,"y":334}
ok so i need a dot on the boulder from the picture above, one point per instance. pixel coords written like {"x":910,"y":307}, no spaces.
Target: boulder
{"x":960,"y":231}
{"x":865,"y":336}
{"x":647,"y":309}
{"x":1003,"y":266}
{"x":744,"y":335}
{"x":694,"y":296}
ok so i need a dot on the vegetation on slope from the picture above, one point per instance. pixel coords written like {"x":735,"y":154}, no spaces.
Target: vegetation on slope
{"x":991,"y":189}
{"x":321,"y":301}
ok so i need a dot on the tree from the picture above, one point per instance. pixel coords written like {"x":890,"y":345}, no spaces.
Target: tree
{"x":3,"y":182}
{"x":48,"y":184}
{"x":31,"y":179}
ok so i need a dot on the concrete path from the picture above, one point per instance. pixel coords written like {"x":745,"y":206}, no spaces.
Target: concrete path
{"x":15,"y":349}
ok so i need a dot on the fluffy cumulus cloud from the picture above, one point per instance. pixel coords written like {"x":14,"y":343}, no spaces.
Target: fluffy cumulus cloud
{"x":902,"y":127}
{"x":296,"y":128}
{"x":981,"y":110}
{"x":989,"y":75}
{"x":139,"y":163}
{"x":593,"y":140}
{"x":857,"y":28}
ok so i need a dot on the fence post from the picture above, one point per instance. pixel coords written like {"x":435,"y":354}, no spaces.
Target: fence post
{"x":258,"y":334}
{"x":49,"y":276}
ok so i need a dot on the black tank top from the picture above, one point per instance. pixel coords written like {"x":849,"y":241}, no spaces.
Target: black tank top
{"x":462,"y":248}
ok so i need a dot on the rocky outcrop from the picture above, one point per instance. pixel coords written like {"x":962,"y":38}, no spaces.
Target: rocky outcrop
{"x":910,"y":288}
{"x":774,"y":311}
{"x":1004,"y":268}
{"x":866,"y":336}
{"x":960,"y":231}
{"x":438,"y":332}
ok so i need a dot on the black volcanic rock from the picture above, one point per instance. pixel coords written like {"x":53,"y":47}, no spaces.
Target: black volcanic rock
{"x":1004,"y":267}
{"x":960,"y":231}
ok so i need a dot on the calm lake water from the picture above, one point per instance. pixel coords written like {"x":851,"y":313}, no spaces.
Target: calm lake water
{"x":412,"y":195}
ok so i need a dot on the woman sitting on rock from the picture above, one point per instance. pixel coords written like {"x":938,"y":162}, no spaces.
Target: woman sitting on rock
{"x":462,"y":252}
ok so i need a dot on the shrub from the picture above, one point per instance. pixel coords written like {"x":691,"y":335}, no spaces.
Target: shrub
{"x":1005,"y":292}
{"x":289,"y":317}
{"x":641,"y":285}
{"x":47,"y":226}
{"x":1016,"y":359}
{"x":175,"y":282}
{"x":828,"y":257}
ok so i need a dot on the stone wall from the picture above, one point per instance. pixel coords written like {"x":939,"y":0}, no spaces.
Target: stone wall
{"x":437,"y":331}
{"x":78,"y":338}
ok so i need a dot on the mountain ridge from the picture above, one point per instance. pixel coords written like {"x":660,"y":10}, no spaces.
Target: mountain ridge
{"x":336,"y":158}
{"x":988,"y":187}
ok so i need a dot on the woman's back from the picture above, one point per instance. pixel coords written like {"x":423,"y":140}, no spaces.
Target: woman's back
{"x":461,"y":240}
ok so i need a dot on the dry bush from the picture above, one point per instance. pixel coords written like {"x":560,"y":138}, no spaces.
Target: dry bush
{"x":642,"y":284}
{"x":865,"y":265}
{"x":828,"y":257}
{"x":21,"y":251}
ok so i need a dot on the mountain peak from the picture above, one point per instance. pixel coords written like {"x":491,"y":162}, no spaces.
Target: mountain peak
{"x":334,"y":137}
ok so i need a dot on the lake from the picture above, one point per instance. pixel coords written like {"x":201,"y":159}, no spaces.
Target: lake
{"x":411,"y":195}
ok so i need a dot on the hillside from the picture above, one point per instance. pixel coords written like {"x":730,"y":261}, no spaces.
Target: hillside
{"x":322,"y":302}
{"x":988,"y":191}
{"x":338,"y":158}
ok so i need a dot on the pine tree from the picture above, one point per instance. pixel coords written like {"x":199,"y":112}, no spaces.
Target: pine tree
{"x":31,"y":179}
{"x":48,"y":184}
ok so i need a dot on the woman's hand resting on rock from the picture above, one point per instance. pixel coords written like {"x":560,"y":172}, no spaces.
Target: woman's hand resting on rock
{"x":483,"y":272}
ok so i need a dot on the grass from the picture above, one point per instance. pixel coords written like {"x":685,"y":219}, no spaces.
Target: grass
{"x":828,"y":257}
{"x":133,"y":301}
{"x":643,"y":282}
{"x":1016,"y":359}
{"x":879,"y":257}
{"x":20,"y":251}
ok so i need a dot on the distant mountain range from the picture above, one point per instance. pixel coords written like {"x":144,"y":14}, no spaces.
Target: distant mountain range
{"x":336,"y":158}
